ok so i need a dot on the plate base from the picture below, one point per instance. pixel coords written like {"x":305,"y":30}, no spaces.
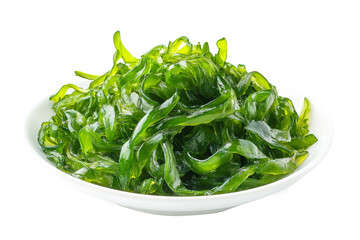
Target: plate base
{"x":178,"y":213}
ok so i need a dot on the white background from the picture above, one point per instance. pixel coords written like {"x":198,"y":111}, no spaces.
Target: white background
{"x":311,"y":46}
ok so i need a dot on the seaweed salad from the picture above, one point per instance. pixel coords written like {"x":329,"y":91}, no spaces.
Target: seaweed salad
{"x":179,"y":121}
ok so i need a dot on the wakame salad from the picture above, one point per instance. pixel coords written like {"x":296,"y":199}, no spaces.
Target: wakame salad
{"x":177,"y":121}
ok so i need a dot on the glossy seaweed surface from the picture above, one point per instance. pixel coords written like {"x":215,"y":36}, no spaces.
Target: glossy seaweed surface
{"x":177,"y":121}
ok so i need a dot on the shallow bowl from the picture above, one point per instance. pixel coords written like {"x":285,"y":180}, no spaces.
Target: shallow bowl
{"x":320,"y":126}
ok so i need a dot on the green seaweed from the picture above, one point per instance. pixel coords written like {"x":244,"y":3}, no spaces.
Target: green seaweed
{"x":176,"y":121}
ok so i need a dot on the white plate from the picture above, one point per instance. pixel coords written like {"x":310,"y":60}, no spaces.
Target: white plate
{"x":320,"y":126}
